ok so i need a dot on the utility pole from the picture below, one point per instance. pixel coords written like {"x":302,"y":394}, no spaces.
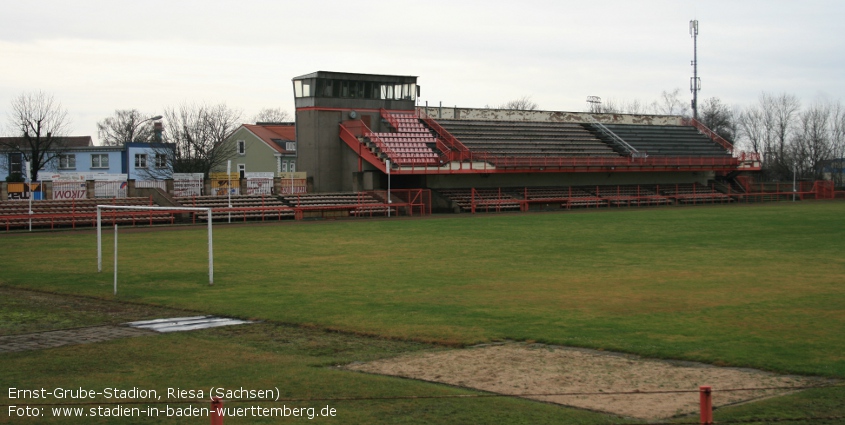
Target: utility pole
{"x":695,"y":82}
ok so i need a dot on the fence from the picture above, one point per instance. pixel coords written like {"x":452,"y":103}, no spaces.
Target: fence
{"x":259,"y":186}
{"x":110,"y":189}
{"x":151,"y":184}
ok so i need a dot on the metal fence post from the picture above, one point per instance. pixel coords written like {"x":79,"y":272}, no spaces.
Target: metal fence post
{"x":706,"y":402}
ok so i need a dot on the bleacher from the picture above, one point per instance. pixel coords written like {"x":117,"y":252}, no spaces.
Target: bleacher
{"x":486,"y":200}
{"x":567,"y":197}
{"x":350,"y":203}
{"x":666,"y":140}
{"x":694,"y":193}
{"x":630,"y":195}
{"x":412,"y":144}
{"x":528,"y":139}
{"x":244,"y":207}
{"x":77,"y":212}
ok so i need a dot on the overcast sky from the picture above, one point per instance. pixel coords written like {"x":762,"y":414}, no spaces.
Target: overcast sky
{"x":98,"y":56}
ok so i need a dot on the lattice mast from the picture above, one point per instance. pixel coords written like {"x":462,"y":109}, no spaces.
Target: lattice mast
{"x":695,"y":82}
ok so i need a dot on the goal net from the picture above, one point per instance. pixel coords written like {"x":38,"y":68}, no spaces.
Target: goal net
{"x":101,"y":208}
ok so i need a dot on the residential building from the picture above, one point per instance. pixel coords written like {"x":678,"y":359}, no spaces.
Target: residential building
{"x":263,"y":147}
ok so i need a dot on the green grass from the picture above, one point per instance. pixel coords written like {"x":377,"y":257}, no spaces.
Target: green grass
{"x":747,"y":286}
{"x":23,"y":312}
{"x":292,"y":360}
{"x":758,"y":286}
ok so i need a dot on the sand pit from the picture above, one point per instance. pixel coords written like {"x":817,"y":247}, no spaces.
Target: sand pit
{"x":540,"y":369}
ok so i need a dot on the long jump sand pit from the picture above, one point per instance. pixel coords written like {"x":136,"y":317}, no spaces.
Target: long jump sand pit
{"x":516,"y":369}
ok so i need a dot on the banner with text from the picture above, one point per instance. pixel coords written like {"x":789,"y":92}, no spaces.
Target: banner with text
{"x":187,"y":184}
{"x":293,"y":183}
{"x":22,"y":191}
{"x":69,"y":190}
{"x":259,"y":183}
{"x":224,"y":183}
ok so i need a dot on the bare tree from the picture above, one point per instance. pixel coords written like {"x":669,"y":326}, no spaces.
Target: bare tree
{"x":719,"y":117}
{"x":271,"y":115}
{"x":39,"y":124}
{"x":126,"y":125}
{"x":837,"y":141}
{"x":524,"y":103}
{"x":670,"y":103}
{"x":779,"y":114}
{"x":197,"y":133}
{"x":606,"y":106}
{"x":752,"y":129}
{"x":635,"y":107}
{"x":811,"y":146}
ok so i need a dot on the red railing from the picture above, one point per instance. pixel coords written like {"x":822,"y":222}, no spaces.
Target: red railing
{"x":389,"y":118}
{"x":350,"y":131}
{"x":455,"y":150}
{"x":74,"y":219}
{"x":709,"y":133}
{"x":359,"y":129}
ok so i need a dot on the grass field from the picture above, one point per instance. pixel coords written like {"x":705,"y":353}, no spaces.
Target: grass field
{"x":756,"y":286}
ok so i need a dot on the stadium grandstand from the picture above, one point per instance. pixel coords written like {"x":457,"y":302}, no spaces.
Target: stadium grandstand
{"x":360,"y":132}
{"x":365,"y":148}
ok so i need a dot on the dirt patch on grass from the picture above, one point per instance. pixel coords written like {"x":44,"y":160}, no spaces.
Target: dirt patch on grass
{"x":518,"y":369}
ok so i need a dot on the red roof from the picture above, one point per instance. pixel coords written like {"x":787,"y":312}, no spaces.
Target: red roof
{"x":269,"y":133}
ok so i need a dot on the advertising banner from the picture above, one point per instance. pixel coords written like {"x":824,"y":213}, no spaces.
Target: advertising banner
{"x":69,"y":190}
{"x":19,"y":191}
{"x":259,"y":183}
{"x":293,"y":183}
{"x":187,"y":184}
{"x":220,"y":183}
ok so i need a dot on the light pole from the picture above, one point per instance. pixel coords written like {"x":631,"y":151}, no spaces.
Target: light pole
{"x":138,"y":124}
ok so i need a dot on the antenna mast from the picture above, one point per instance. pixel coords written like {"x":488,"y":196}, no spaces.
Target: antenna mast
{"x":695,"y":82}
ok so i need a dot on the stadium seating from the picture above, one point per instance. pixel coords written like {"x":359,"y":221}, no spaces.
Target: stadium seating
{"x":356,"y":203}
{"x":77,"y":212}
{"x":666,"y":140}
{"x":694,"y":193}
{"x":486,"y":200}
{"x":510,"y":199}
{"x":528,"y":139}
{"x":244,"y":207}
{"x":412,"y":144}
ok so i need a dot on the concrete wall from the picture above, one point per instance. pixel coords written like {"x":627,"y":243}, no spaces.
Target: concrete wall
{"x":319,"y":148}
{"x":455,"y":113}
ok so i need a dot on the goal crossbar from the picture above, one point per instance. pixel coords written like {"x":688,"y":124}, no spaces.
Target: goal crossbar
{"x":100,"y":209}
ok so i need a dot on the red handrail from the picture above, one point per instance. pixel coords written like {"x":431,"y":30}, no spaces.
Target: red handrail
{"x":709,"y":133}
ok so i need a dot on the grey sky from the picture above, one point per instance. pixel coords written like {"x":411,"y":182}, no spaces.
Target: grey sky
{"x":98,"y":56}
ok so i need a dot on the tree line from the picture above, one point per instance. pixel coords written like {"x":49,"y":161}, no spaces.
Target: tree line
{"x":792,"y":139}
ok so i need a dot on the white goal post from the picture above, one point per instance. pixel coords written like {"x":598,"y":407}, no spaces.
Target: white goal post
{"x":100,"y":208}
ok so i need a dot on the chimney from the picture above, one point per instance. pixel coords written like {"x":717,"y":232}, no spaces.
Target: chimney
{"x":158,"y":128}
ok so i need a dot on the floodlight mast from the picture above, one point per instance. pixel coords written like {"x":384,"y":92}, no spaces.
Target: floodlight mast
{"x":695,"y":82}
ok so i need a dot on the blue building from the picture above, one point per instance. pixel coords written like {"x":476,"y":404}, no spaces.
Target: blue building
{"x":139,"y":161}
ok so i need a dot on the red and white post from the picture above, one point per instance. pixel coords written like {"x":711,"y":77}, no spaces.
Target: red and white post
{"x":216,"y":404}
{"x":706,"y":400}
